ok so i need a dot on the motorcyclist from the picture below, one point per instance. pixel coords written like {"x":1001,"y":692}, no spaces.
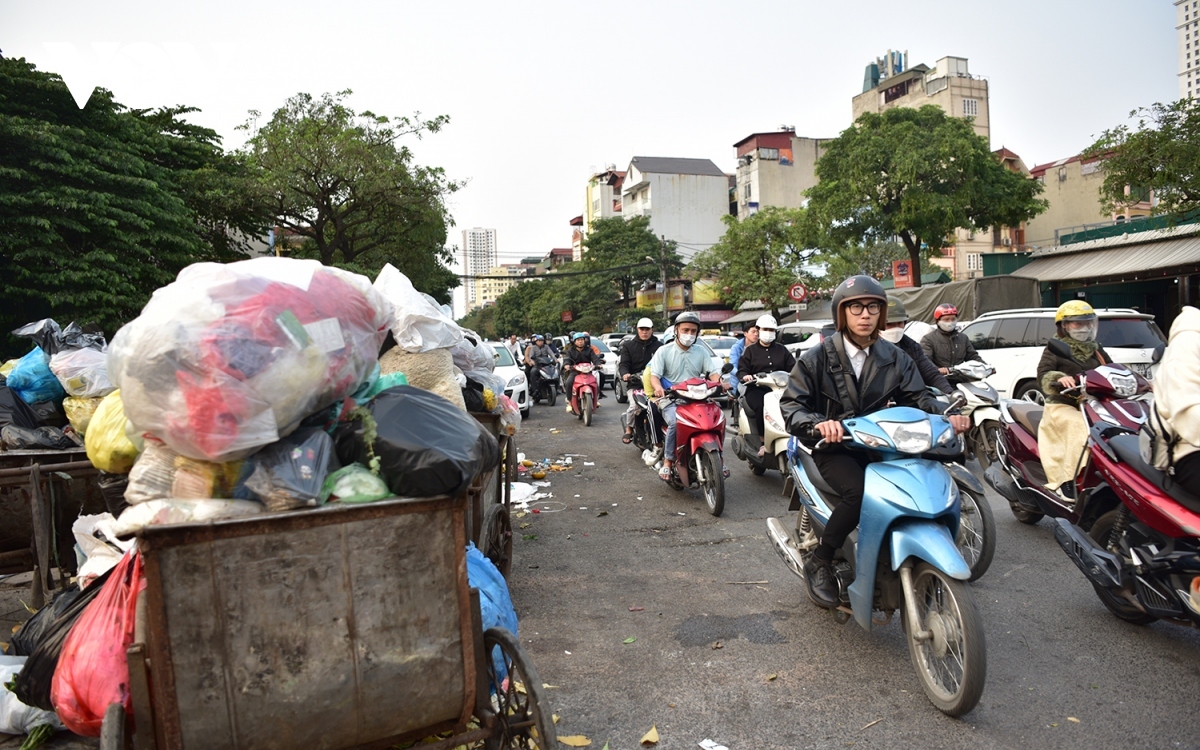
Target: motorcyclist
{"x":636,"y":354}
{"x":579,"y":352}
{"x":1176,"y":393}
{"x":749,"y":336}
{"x":674,"y":363}
{"x":853,"y":372}
{"x":897,"y":317}
{"x":945,"y":345}
{"x":767,"y":355}
{"x":537,"y":348}
{"x":1063,"y":434}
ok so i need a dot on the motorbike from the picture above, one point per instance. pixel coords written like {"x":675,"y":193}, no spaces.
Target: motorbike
{"x":982,"y":406}
{"x":585,"y":392}
{"x":745,"y":444}
{"x":545,"y":387}
{"x":903,"y":555}
{"x":1115,"y":399}
{"x":699,"y":440}
{"x":1136,"y":536}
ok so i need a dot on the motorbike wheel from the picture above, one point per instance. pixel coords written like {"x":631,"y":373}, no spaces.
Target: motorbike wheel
{"x":714,"y":482}
{"x":757,"y":470}
{"x":551,"y":394}
{"x":987,"y":437}
{"x":976,"y":538}
{"x":952,"y":664}
{"x":585,"y":405}
{"x":1118,"y":605}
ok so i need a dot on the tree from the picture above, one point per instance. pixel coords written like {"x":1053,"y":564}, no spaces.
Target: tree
{"x":916,"y":174}
{"x":614,"y":243}
{"x":101,"y":206}
{"x":341,"y":185}
{"x":1162,"y":154}
{"x":873,"y":259}
{"x":759,"y":258}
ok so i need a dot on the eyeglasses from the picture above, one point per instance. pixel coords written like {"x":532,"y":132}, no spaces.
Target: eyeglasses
{"x":856,"y":308}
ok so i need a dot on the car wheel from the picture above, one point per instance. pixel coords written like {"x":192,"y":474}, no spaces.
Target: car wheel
{"x":1029,"y":391}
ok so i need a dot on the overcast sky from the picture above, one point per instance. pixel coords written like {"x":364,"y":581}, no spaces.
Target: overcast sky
{"x":542,"y":93}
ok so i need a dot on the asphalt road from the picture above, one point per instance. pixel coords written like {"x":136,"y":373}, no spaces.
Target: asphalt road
{"x":728,"y":648}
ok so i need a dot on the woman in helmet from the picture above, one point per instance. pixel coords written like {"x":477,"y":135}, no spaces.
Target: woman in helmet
{"x":765,"y":355}
{"x":853,"y":372}
{"x":1062,"y":435}
{"x":580,"y":351}
{"x":945,"y":345}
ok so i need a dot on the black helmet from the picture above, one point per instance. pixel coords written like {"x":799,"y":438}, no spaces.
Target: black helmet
{"x":895,"y":311}
{"x":687,"y":317}
{"x":856,"y":288}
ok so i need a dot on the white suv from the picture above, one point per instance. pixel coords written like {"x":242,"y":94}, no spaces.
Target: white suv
{"x":1013,"y":341}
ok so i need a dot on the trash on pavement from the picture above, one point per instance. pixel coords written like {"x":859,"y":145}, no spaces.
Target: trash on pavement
{"x":710,"y":745}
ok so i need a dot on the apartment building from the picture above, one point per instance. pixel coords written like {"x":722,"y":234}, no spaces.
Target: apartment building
{"x":774,"y":169}
{"x":890,"y":83}
{"x":1187,"y":31}
{"x":684,"y":199}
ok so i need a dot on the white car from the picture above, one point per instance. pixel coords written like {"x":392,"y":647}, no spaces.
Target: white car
{"x":1012,"y":341}
{"x":517,"y":387}
{"x":609,"y":368}
{"x":802,"y":335}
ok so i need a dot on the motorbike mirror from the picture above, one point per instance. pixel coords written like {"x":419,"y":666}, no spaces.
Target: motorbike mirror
{"x":727,"y":368}
{"x":957,"y":399}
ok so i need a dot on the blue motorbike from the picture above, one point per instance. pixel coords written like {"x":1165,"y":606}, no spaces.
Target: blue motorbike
{"x":903,"y":554}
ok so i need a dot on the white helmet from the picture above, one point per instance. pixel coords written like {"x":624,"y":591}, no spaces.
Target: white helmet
{"x":645,"y":323}
{"x":766,"y":321}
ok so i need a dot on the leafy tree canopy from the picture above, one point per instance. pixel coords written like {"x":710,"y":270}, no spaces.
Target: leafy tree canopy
{"x":873,"y":259}
{"x":915,"y":174}
{"x":614,"y":243}
{"x":1162,"y":153}
{"x":347,"y":193}
{"x":759,"y":258}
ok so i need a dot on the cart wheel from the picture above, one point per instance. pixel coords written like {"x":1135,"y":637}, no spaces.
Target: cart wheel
{"x":498,"y":538}
{"x":524,"y":719}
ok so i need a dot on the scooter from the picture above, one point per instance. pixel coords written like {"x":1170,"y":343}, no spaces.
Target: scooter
{"x":745,"y":444}
{"x":982,"y":406}
{"x":699,"y":440}
{"x":546,"y":387}
{"x":902,"y":556}
{"x":1136,"y":537}
{"x":585,"y":392}
{"x":1115,"y":398}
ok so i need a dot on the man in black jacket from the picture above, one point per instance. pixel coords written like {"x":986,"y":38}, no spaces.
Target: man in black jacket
{"x":764,"y":355}
{"x":636,"y":353}
{"x":897,"y":316}
{"x":853,"y":372}
{"x":946,"y":345}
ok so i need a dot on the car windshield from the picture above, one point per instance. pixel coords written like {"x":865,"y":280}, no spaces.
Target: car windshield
{"x":1132,"y":333}
{"x":720,"y":343}
{"x":503,"y":357}
{"x":603,"y":347}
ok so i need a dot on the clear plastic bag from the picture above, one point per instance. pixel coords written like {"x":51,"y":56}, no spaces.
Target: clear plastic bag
{"x":82,"y":372}
{"x":354,"y":484}
{"x":80,"y":412}
{"x":510,"y":416}
{"x":419,"y":324}
{"x":174,"y":511}
{"x":229,"y":358}
{"x":472,"y":354}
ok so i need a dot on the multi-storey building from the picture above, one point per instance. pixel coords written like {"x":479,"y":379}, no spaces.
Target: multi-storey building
{"x":949,"y":84}
{"x":1072,"y":187}
{"x":774,"y":169}
{"x":477,"y":256}
{"x":603,"y":196}
{"x":684,"y":198}
{"x":1187,"y":31}
{"x":497,"y":280}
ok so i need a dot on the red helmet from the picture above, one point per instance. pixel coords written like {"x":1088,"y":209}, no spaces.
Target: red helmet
{"x":944,"y":309}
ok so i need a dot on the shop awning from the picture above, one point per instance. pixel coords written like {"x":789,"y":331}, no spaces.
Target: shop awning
{"x":1129,"y":260}
{"x":713,"y":316}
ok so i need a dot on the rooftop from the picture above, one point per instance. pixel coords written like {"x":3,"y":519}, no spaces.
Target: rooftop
{"x":675,"y":165}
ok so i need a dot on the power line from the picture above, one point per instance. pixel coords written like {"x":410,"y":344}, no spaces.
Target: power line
{"x":562,"y":275}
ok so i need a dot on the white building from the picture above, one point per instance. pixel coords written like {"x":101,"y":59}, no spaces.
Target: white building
{"x":1187,"y":28}
{"x":774,"y":169}
{"x":684,"y":198}
{"x":478,"y":256}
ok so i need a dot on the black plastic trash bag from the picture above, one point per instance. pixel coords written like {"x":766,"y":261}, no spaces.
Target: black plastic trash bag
{"x":49,"y":414}
{"x":426,"y":445}
{"x":40,"y":438}
{"x":33,"y":682}
{"x":290,"y":473}
{"x":14,"y":410}
{"x":112,"y":489}
{"x":53,"y":338}
{"x":25,"y":641}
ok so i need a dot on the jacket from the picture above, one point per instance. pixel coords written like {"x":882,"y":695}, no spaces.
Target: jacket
{"x":929,"y":371}
{"x":948,"y":349}
{"x":574,"y":356}
{"x":812,"y":394}
{"x":1177,"y":385}
{"x":757,"y":358}
{"x":532,"y":352}
{"x":1058,"y":361}
{"x":636,"y":354}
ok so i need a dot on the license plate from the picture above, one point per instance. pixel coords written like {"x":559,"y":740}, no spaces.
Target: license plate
{"x":1141,"y":369}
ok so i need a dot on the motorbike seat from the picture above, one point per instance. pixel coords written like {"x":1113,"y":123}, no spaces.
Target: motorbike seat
{"x":814,"y":475}
{"x":1028,"y":416}
{"x":1126,"y":448}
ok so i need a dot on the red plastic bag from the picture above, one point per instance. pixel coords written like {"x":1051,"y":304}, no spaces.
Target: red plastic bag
{"x":92,"y":671}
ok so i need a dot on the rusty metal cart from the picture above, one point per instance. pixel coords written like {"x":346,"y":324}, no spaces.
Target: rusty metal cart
{"x":490,"y":507}
{"x":344,"y":626}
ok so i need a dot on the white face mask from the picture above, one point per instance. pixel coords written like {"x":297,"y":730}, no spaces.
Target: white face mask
{"x":766,"y":337}
{"x":946,"y":325}
{"x":892,"y":334}
{"x":687,"y":339}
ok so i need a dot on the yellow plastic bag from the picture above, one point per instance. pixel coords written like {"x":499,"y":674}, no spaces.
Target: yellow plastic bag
{"x":107,"y":446}
{"x":80,"y":412}
{"x":8,"y":366}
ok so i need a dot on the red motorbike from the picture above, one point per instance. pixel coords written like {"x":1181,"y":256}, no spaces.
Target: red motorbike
{"x":1136,"y":537}
{"x":585,"y":392}
{"x":1109,"y":398}
{"x":699,"y":440}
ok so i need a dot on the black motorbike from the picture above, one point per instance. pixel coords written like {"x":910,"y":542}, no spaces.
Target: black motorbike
{"x":545,"y":376}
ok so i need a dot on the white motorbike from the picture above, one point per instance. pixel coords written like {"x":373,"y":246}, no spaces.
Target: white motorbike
{"x":983,"y":407}
{"x":745,"y":444}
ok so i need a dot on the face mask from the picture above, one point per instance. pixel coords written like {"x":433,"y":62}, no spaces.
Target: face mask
{"x":766,"y":337}
{"x":946,"y":325}
{"x":687,"y":339}
{"x":892,"y":334}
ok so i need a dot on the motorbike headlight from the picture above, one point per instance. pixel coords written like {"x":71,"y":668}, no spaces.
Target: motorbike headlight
{"x":909,"y":437}
{"x":870,"y":440}
{"x":516,"y":380}
{"x":697,"y":392}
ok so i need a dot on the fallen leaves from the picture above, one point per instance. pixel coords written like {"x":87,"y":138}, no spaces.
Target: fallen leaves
{"x":772,"y":677}
{"x":651,"y":737}
{"x":718,"y":645}
{"x":630,"y":639}
{"x":1072,"y":719}
{"x":575,"y":740}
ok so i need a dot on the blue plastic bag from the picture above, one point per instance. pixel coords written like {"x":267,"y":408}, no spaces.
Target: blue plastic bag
{"x":32,"y":380}
{"x":494,"y":602}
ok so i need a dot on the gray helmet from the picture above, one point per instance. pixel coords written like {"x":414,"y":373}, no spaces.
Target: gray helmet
{"x":858,"y":287}
{"x":687,"y":317}
{"x":896,"y":311}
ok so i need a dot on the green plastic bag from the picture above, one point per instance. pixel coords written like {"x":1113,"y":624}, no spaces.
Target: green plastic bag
{"x":354,"y":484}
{"x":391,"y":380}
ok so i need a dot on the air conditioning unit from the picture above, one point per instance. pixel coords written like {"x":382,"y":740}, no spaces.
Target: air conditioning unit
{"x":1007,"y":241}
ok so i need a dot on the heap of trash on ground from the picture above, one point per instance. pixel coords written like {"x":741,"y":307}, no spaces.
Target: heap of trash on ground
{"x":265,"y":385}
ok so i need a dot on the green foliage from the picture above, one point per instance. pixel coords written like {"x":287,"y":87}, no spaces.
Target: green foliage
{"x":481,"y":320}
{"x":873,"y":259}
{"x":759,"y":258}
{"x":349,"y":195}
{"x":1162,"y":154}
{"x":916,"y":174}
{"x":101,"y":206}
{"x":615,"y":243}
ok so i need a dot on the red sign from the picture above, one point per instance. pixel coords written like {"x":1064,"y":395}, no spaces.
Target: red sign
{"x":902,"y":273}
{"x":798,"y":292}
{"x":567,"y":317}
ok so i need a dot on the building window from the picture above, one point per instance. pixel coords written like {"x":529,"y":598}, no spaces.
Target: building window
{"x":747,"y":191}
{"x":970,"y":107}
{"x":974,"y":261}
{"x":768,"y":154}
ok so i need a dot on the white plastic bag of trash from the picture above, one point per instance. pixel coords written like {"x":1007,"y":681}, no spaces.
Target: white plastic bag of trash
{"x":178,"y":510}
{"x":97,"y":544}
{"x":15,"y":716}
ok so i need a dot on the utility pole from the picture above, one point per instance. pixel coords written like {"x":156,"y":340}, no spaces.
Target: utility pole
{"x":662,"y":267}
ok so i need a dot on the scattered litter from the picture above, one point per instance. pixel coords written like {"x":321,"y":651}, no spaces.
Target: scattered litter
{"x":710,"y":745}
{"x":567,"y":460}
{"x":568,"y":653}
{"x":589,"y":463}
{"x":651,"y":737}
{"x":548,"y":686}
{"x":521,"y":460}
{"x":525,"y":525}
{"x":637,"y":609}
{"x":1072,"y":719}
{"x":583,"y":507}
{"x":614,"y":505}
{"x":577,"y":496}
{"x":718,"y":645}
{"x":873,"y":723}
{"x":602,"y":513}
{"x":541,"y":484}
{"x":629,"y":640}
{"x":746,"y":583}
{"x":681,"y":513}
{"x":639,"y":497}
{"x":772,"y":677}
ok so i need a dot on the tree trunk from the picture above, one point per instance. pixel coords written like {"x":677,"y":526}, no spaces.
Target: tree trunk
{"x":913,"y":245}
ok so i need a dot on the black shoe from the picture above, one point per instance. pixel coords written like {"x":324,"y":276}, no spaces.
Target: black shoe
{"x":822,"y":583}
